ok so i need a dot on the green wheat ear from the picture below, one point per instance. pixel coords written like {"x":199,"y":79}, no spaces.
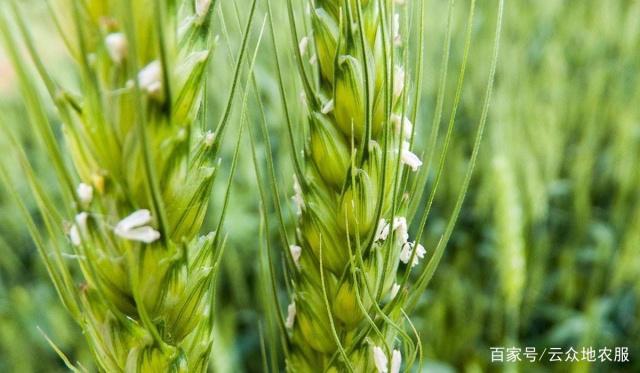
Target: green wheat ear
{"x":143,"y":169}
{"x":353,"y":234}
{"x":358,"y":184}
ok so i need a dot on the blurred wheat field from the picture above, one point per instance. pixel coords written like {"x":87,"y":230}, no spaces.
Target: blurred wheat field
{"x":545,"y":254}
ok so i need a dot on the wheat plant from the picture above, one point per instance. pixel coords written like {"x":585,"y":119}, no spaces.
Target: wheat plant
{"x":353,"y":269}
{"x":123,"y":248}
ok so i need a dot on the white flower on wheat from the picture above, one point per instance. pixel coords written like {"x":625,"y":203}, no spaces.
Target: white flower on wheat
{"x":402,"y":235}
{"x":303,"y":45}
{"x":134,"y":227}
{"x":202,"y":7}
{"x":296,"y":251}
{"x":327,"y":107}
{"x":407,"y":251}
{"x":209,"y":137}
{"x":298,"y":199}
{"x":291,"y":315}
{"x":85,"y":193}
{"x":395,"y":288}
{"x":396,"y":361}
{"x":397,"y":39}
{"x":303,"y":98}
{"x":402,"y":124}
{"x":79,"y":228}
{"x":381,"y":361}
{"x":117,"y":47}
{"x":382,"y":232}
{"x":150,"y":79}
{"x":398,"y":81}
{"x":74,"y":236}
{"x":401,"y":228}
{"x":409,"y":158}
